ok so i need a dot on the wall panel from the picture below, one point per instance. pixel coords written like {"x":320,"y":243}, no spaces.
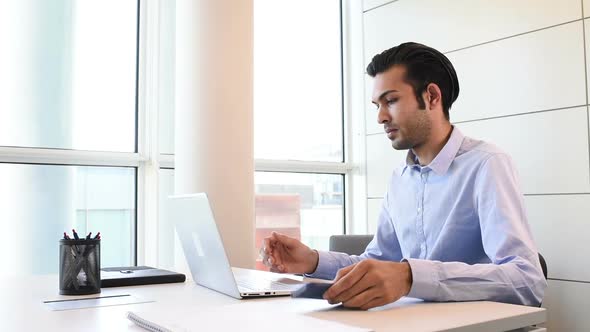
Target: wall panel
{"x":550,"y":149}
{"x":533,"y":72}
{"x":371,"y":4}
{"x":452,"y":24}
{"x":567,"y":306}
{"x":587,"y":44}
{"x":561,"y":226}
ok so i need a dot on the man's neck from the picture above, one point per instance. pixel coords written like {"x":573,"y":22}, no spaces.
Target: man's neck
{"x":430,"y":149}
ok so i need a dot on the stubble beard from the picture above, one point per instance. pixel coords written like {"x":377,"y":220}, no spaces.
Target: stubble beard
{"x":415,"y":133}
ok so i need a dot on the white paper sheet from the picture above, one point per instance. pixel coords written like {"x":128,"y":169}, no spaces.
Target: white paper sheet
{"x":91,"y":302}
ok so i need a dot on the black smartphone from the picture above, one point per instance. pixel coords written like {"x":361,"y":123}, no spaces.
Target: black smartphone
{"x":311,"y":290}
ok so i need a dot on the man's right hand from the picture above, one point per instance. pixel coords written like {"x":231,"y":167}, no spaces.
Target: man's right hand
{"x":285,"y":254}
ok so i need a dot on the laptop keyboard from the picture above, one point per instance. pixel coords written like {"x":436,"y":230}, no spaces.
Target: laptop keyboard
{"x":260,"y":285}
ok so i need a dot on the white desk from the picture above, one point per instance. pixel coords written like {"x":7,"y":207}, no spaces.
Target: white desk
{"x":21,"y":309}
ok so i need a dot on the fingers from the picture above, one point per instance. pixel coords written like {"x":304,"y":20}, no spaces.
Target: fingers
{"x":284,"y":239}
{"x":272,"y":253}
{"x":286,"y":254}
{"x":363,"y":299}
{"x":369,"y":284}
{"x":265,"y":258}
{"x":375,"y":302}
{"x":269,"y":249}
{"x":344,"y":271}
{"x":346,"y":279}
{"x":365,"y":283}
{"x":266,"y":245}
{"x":266,"y":253}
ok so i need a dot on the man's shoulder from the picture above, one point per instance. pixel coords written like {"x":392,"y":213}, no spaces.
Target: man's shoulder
{"x":479,"y":149}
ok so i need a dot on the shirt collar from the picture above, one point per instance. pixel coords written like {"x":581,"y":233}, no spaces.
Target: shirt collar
{"x":441,"y":163}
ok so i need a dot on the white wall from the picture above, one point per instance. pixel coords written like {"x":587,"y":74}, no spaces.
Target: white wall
{"x":523,"y":78}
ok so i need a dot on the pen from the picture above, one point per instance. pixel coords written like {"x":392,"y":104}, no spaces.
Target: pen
{"x":75,"y":234}
{"x":66,"y":237}
{"x":88,"y":236}
{"x":97,"y":236}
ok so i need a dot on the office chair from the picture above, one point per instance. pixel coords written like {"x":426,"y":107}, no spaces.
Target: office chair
{"x":356,"y":245}
{"x":543,"y":265}
{"x":350,"y":244}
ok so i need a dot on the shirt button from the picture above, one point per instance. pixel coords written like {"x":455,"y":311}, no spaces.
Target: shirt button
{"x":419,"y":209}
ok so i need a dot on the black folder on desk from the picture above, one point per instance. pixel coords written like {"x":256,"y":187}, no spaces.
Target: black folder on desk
{"x":137,"y":275}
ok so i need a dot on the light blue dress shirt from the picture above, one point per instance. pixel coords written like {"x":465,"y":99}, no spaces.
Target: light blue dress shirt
{"x":461,"y":224}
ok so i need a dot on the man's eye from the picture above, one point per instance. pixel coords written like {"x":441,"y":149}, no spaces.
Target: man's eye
{"x":391,"y":101}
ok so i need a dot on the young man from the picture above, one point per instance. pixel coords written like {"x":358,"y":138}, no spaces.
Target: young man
{"x":453,"y":225}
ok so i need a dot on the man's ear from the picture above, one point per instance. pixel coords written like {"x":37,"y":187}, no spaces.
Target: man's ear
{"x":433,"y":96}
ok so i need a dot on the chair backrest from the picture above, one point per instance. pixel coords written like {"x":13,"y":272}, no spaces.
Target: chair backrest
{"x":543,"y":265}
{"x":350,"y":244}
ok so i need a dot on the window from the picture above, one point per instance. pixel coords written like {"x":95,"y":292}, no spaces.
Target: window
{"x":297,"y":80}
{"x":68,"y":138}
{"x":68,"y":78}
{"x":298,"y":115}
{"x":306,"y":206}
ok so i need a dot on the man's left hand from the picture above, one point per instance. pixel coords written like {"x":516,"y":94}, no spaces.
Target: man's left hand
{"x":370,"y":283}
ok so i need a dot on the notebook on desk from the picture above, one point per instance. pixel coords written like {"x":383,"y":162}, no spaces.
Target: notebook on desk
{"x":137,"y":275}
{"x":217,"y":319}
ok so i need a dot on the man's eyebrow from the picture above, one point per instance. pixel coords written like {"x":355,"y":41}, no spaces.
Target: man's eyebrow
{"x":383,"y":95}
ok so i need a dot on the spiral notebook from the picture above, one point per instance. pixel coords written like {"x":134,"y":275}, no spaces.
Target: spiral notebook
{"x":201,"y":319}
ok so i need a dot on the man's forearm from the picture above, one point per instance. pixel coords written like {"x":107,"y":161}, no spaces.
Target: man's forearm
{"x":330,"y":262}
{"x":515,"y":282}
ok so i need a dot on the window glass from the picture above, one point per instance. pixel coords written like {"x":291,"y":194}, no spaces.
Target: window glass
{"x":68,"y":74}
{"x":40,"y":202}
{"x":297,"y":80}
{"x":309,"y":207}
{"x":166,"y":76}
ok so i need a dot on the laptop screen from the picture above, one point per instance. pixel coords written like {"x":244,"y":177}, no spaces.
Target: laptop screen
{"x":202,"y":243}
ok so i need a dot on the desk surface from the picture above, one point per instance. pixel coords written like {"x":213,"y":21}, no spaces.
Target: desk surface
{"x":22,"y":309}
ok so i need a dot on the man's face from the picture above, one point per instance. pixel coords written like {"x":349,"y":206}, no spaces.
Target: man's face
{"x":406,"y":125}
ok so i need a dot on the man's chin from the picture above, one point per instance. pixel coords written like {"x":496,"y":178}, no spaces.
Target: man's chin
{"x":399,"y":145}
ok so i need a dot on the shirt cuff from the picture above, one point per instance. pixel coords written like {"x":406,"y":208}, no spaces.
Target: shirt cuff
{"x":425,"y":279}
{"x":325,"y":268}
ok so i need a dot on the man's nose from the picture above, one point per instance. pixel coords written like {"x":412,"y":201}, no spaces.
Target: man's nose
{"x":383,"y":115}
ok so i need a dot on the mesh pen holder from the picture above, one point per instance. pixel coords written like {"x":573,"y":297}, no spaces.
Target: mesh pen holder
{"x":79,"y":266}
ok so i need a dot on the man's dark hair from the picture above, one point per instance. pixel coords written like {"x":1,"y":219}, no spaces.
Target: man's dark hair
{"x":424,"y":65}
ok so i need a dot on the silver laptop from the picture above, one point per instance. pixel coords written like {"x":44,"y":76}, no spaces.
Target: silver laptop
{"x":206,"y":257}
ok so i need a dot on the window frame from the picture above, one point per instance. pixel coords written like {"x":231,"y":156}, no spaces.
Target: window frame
{"x":352,"y":167}
{"x":147,"y":159}
{"x":70,"y":157}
